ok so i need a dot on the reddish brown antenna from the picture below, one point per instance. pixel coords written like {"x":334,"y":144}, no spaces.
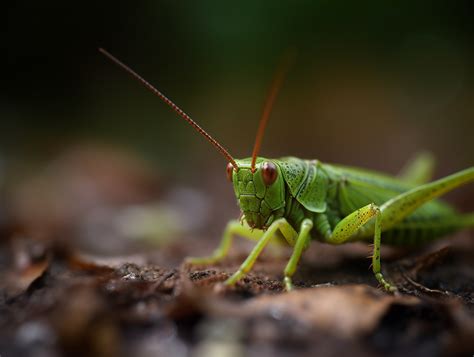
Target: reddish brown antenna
{"x":267,"y":108}
{"x":173,"y":106}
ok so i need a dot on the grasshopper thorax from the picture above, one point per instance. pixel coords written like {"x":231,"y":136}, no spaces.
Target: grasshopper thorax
{"x":260,"y":191}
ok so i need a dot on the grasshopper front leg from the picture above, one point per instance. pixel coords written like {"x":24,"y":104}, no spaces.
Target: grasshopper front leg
{"x":301,"y":243}
{"x":299,"y":240}
{"x":287,"y":231}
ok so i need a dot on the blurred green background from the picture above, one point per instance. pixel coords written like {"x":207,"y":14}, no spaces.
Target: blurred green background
{"x":373,"y":82}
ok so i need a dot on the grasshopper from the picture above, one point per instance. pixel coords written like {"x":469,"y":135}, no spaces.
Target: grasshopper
{"x":299,"y":200}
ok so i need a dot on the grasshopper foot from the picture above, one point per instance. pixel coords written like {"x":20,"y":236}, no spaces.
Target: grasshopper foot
{"x":239,"y":274}
{"x":209,"y":260}
{"x":288,"y":284}
{"x":385,"y":284}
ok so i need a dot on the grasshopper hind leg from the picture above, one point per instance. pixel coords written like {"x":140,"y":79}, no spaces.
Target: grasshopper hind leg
{"x":376,"y":266}
{"x":359,"y":224}
{"x":419,"y":169}
{"x":352,"y":225}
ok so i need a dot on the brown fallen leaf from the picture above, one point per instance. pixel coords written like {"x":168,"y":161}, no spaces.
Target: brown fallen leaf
{"x":347,"y":311}
{"x":29,"y":261}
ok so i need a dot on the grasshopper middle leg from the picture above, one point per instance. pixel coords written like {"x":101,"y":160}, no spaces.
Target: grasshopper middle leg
{"x":232,"y":229}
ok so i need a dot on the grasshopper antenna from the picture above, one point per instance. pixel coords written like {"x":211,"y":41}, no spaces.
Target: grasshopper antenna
{"x":278,"y":78}
{"x":173,"y":106}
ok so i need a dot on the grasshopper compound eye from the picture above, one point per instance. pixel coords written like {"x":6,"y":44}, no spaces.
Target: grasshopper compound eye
{"x":229,"y":170}
{"x":269,"y":173}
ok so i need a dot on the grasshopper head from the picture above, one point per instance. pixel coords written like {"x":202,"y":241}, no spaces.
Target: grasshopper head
{"x":260,"y":192}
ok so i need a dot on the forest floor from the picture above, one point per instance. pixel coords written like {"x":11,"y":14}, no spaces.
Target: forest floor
{"x":59,"y":298}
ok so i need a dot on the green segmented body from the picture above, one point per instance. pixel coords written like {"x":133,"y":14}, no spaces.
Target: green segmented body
{"x":327,"y":193}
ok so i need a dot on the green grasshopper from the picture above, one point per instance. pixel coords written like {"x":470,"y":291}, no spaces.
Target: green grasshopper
{"x":299,"y":200}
